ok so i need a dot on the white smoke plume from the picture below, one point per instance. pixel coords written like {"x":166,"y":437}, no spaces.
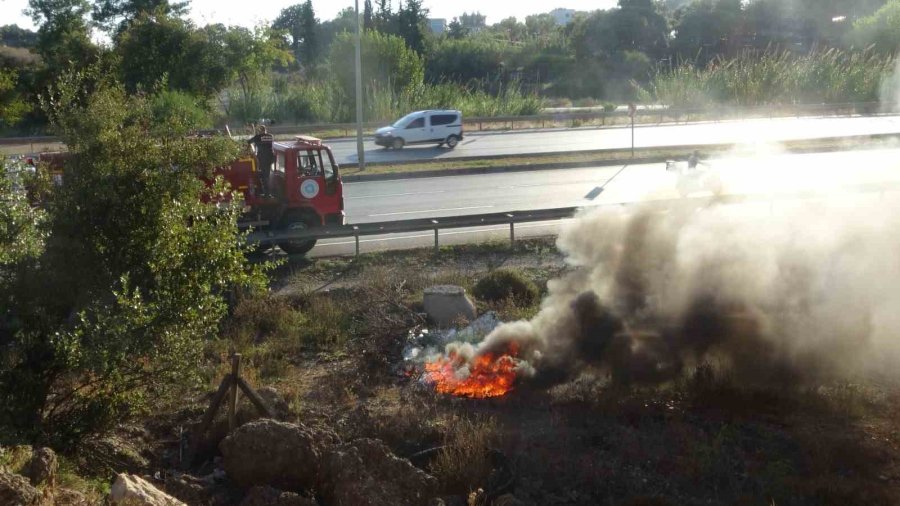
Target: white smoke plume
{"x":801,"y":294}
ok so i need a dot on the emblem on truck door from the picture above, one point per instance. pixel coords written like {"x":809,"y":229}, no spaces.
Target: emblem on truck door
{"x":309,"y":189}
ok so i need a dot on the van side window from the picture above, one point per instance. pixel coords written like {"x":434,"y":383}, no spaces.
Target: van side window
{"x":416,"y":123}
{"x":443,"y":119}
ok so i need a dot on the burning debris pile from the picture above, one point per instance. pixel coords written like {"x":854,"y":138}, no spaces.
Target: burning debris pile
{"x":485,"y":375}
{"x":793,"y":298}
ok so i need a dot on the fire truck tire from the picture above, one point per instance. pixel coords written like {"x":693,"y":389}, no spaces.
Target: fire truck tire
{"x":398,"y":143}
{"x":298,"y":223}
{"x":452,"y":141}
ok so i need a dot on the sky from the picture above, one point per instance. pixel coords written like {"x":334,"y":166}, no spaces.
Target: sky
{"x":230,"y":12}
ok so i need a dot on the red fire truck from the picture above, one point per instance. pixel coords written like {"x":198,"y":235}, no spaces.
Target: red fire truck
{"x":306,"y":191}
{"x":305,"y":187}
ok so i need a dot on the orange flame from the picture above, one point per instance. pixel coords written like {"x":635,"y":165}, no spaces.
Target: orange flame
{"x":490,"y":374}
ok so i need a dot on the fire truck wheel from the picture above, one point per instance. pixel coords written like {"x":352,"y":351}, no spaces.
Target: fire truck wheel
{"x":452,"y":141}
{"x":297,"y":247}
{"x":398,"y":143}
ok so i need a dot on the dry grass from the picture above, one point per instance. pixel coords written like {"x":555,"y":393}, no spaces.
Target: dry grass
{"x":704,"y":439}
{"x":464,"y":462}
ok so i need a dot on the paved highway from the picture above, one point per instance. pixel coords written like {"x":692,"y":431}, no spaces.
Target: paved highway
{"x":768,"y":174}
{"x":555,"y":140}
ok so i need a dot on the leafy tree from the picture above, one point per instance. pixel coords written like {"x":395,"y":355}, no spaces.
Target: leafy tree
{"x":345,"y":21}
{"x":881,"y":29}
{"x":456,"y":31}
{"x":302,"y":26}
{"x":540,"y":26}
{"x":473,"y":22}
{"x":12,"y":106}
{"x":510,"y":29}
{"x":387,"y":64}
{"x":711,"y":27}
{"x":153,"y":48}
{"x":384,"y":18}
{"x":14,"y":36}
{"x":639,"y":25}
{"x":310,"y":51}
{"x":21,"y":226}
{"x":117,"y":15}
{"x":248,"y":56}
{"x":464,"y":60}
{"x":112,"y":316}
{"x":411,"y":25}
{"x":368,"y":16}
{"x":766,"y":23}
{"x":63,"y":35}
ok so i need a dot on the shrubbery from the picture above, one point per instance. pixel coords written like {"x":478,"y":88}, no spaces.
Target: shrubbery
{"x":108,"y":315}
{"x":503,"y":284}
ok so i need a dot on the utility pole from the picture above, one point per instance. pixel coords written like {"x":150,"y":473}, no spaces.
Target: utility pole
{"x":360,"y":152}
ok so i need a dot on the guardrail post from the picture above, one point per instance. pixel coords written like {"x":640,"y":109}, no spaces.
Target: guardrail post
{"x":512,"y":231}
{"x":356,"y":235}
{"x":437,"y":246}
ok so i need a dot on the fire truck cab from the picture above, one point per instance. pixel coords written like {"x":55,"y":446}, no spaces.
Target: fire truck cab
{"x":305,"y":187}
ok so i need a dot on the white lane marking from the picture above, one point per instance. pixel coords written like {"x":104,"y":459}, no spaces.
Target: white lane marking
{"x":458,"y":232}
{"x":394,"y":195}
{"x":430,"y":211}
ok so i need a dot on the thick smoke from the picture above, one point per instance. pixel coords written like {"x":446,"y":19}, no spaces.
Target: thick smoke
{"x":800,"y":294}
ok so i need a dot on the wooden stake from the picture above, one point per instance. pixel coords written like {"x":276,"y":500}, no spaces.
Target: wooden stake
{"x":232,"y":401}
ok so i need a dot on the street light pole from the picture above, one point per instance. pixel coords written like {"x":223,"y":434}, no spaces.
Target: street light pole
{"x":360,"y":152}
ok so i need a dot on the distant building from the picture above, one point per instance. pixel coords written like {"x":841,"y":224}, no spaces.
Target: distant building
{"x":437,"y":25}
{"x":563,"y":16}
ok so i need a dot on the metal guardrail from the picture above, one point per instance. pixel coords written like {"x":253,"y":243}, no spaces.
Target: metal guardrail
{"x":536,"y":215}
{"x":712,"y":112}
{"x":417,"y":225}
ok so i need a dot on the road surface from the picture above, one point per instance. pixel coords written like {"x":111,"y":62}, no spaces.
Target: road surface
{"x":768,"y":175}
{"x":556,"y":140}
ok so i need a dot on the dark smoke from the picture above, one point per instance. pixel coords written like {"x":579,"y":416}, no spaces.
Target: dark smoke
{"x":795,"y":297}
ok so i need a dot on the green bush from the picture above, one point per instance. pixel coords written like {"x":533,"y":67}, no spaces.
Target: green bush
{"x":111,"y":315}
{"x":179,"y":111}
{"x":503,"y":284}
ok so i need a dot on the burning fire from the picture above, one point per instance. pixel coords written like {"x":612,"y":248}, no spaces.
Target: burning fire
{"x":487,"y":375}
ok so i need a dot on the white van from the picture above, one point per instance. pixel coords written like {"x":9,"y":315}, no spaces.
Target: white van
{"x":422,"y":127}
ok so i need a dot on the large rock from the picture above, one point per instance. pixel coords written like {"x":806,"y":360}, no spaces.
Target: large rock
{"x":16,"y":490}
{"x":131,"y":490}
{"x":190,"y":489}
{"x":268,"y":496}
{"x":246,"y":413}
{"x":43,"y":467}
{"x":268,"y":452}
{"x":446,"y":305}
{"x":366,"y":473}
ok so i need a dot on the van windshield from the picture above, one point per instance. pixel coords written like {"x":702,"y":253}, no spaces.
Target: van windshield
{"x":404,"y":120}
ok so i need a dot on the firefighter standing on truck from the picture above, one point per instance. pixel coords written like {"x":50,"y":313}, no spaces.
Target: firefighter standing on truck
{"x":265,"y":157}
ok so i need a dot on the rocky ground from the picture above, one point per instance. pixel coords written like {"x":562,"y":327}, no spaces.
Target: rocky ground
{"x":353,"y":428}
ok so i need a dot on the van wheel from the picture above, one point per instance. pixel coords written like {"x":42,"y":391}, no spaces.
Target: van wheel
{"x":398,"y":143}
{"x":296,"y":223}
{"x":452,"y":141}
